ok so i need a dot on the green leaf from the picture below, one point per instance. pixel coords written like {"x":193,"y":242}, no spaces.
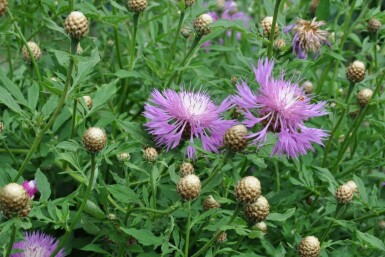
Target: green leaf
{"x":43,"y":185}
{"x":371,"y":240}
{"x":12,"y":88}
{"x":123,"y":194}
{"x":53,"y":26}
{"x":94,"y":210}
{"x":281,"y":217}
{"x":144,"y":237}
{"x":323,"y":10}
{"x":33,"y":95}
{"x":103,"y":94}
{"x":7,"y":99}
{"x":95,"y":248}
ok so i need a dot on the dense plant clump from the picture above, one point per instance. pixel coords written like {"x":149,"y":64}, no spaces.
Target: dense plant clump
{"x":192,"y":128}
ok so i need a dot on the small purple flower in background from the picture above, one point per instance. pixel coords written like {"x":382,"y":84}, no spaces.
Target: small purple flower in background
{"x":230,"y":12}
{"x":36,"y":244}
{"x":30,"y":187}
{"x":175,"y":116}
{"x":308,"y":37}
{"x":281,"y":107}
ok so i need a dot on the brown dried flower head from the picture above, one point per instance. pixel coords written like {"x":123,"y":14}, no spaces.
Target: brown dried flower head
{"x":14,"y":199}
{"x":235,"y":138}
{"x":279,"y":44}
{"x":267,"y":24}
{"x":94,"y":140}
{"x":309,"y":247}
{"x":210,"y":203}
{"x":374,"y":25}
{"x":344,"y":194}
{"x":248,"y":189}
{"x":137,"y":5}
{"x":258,"y":210}
{"x":76,"y":25}
{"x":88,"y":100}
{"x":353,"y":186}
{"x":222,"y":237}
{"x":150,"y":154}
{"x":186,"y":169}
{"x":202,"y":24}
{"x":356,"y":72}
{"x":3,"y":6}
{"x":364,"y":96}
{"x":189,"y":187}
{"x":124,"y":157}
{"x":35,"y":49}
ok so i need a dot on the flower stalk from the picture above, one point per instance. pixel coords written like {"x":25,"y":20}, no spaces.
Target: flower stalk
{"x":272,"y":34}
{"x":11,"y":241}
{"x":188,"y":228}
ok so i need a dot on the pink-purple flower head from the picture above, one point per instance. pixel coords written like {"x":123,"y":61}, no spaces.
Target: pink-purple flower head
{"x":186,"y":115}
{"x":281,"y":107}
{"x":308,"y":37}
{"x":36,"y":244}
{"x":30,"y":187}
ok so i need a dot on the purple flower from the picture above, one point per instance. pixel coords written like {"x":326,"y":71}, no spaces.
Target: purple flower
{"x":308,"y":37}
{"x":30,"y":187}
{"x":175,"y":116}
{"x":281,"y":107}
{"x":36,"y":244}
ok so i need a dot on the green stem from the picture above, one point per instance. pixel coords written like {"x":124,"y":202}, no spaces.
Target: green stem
{"x":188,"y":228}
{"x":339,"y":210}
{"x":153,"y":186}
{"x":209,"y":243}
{"x":9,"y":56}
{"x":11,"y":241}
{"x":182,"y":64}
{"x":50,"y":122}
{"x":343,"y":114}
{"x":123,"y":97}
{"x":272,"y":31}
{"x":372,"y":215}
{"x":356,"y":124}
{"x":216,"y":170}
{"x":9,"y":152}
{"x":346,"y":25}
{"x":14,"y":150}
{"x":277,"y":177}
{"x":177,"y":33}
{"x":20,"y":34}
{"x":71,"y":5}
{"x":73,"y":122}
{"x":81,"y":208}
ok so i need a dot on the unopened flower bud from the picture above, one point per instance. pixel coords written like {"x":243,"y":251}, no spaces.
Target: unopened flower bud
{"x":279,"y":44}
{"x":111,"y":217}
{"x":186,"y":169}
{"x":88,"y":100}
{"x":222,"y":237}
{"x":30,"y":187}
{"x":353,"y":186}
{"x":3,"y":6}
{"x":94,"y":139}
{"x":137,"y":5}
{"x":123,"y":157}
{"x":364,"y":96}
{"x":189,"y":187}
{"x":344,"y":194}
{"x":248,"y":189}
{"x":381,"y":224}
{"x":261,"y":226}
{"x":202,"y":24}
{"x":210,"y":203}
{"x":309,"y":247}
{"x":308,"y":87}
{"x":267,"y":24}
{"x":14,"y":199}
{"x":374,"y":25}
{"x":234,"y":80}
{"x":235,"y":138}
{"x":35,"y":50}
{"x":150,"y":154}
{"x":76,"y":25}
{"x":313,"y":6}
{"x":356,"y":72}
{"x":1,"y":127}
{"x":185,"y":32}
{"x":258,"y":210}
{"x":188,"y":3}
